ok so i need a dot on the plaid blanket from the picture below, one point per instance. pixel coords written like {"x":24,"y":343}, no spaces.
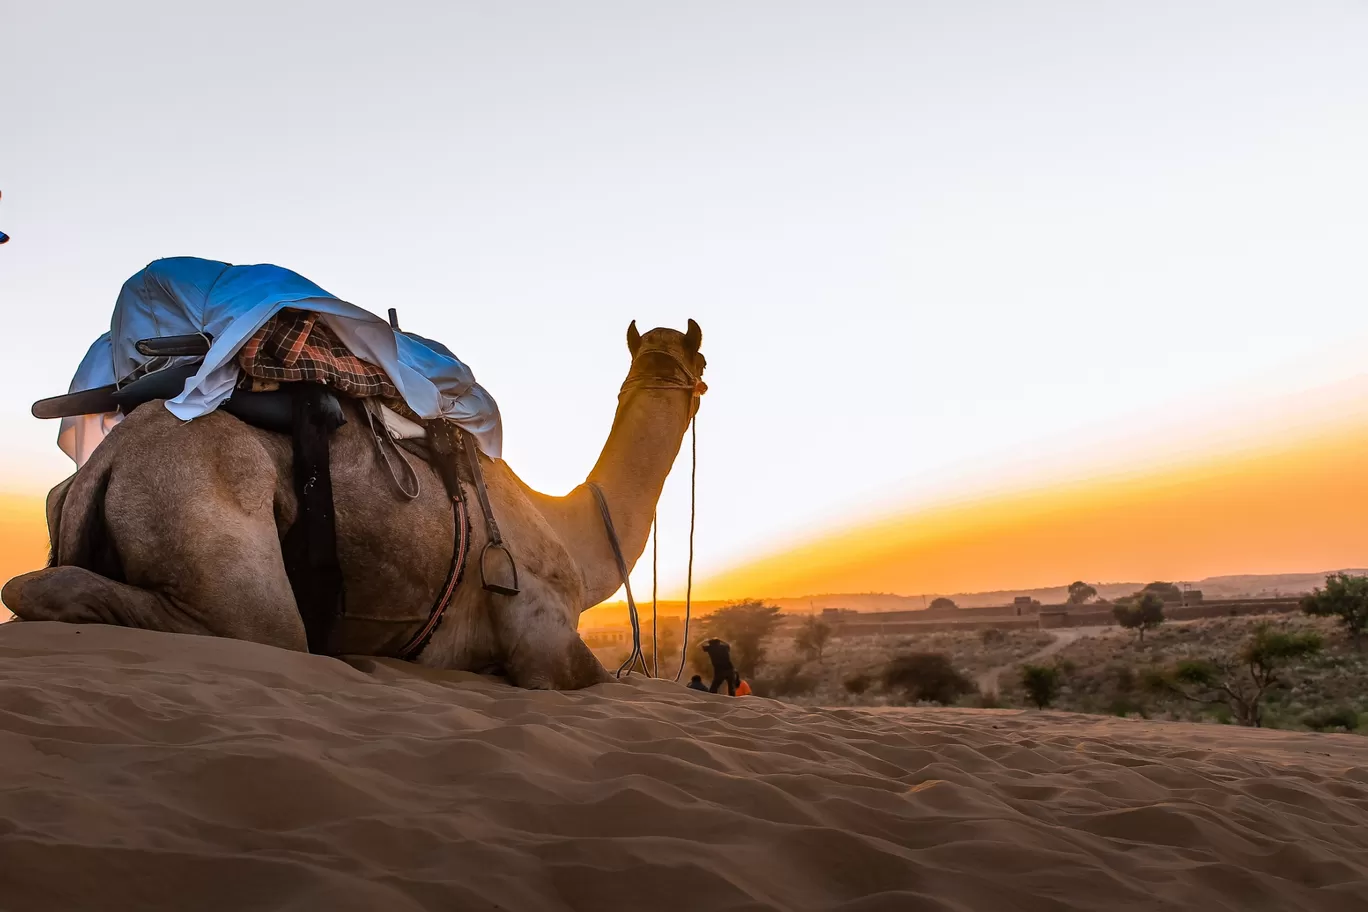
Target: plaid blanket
{"x":295,"y":345}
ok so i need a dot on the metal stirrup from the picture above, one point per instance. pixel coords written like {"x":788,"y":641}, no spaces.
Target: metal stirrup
{"x":472,"y":454}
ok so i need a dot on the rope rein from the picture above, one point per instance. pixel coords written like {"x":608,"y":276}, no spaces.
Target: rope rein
{"x":693,"y":504}
{"x":626,"y":582}
{"x":698,"y":388}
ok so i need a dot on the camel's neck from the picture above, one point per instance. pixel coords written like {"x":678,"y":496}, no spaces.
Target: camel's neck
{"x":647,"y":432}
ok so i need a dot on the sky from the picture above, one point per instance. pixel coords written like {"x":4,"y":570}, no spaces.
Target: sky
{"x":942,"y":254}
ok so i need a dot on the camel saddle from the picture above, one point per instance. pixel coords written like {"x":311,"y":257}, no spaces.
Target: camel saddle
{"x":294,"y":370}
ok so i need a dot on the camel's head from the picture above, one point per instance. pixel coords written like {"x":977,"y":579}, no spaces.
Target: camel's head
{"x":667,"y":359}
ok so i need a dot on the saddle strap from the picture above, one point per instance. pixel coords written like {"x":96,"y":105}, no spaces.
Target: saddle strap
{"x":310,"y":547}
{"x":495,"y":543}
{"x":447,"y":441}
{"x":460,"y":548}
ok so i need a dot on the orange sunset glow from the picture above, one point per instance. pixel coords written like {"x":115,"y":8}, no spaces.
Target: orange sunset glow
{"x":1280,"y":506}
{"x":23,"y":535}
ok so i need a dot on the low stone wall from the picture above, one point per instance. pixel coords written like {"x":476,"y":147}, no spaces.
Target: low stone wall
{"x":899,"y":623}
{"x":895,"y":628}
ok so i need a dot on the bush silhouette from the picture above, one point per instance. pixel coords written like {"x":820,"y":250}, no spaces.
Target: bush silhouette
{"x":1041,"y":683}
{"x":790,"y":681}
{"x":812,"y":637}
{"x":1343,"y":718}
{"x":1243,"y":682}
{"x":1080,"y":592}
{"x":926,"y":676}
{"x":858,"y":683}
{"x":1344,"y":597}
{"x":1145,"y":612}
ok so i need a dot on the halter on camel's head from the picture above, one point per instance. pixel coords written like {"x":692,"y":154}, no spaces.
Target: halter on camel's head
{"x":666,"y":359}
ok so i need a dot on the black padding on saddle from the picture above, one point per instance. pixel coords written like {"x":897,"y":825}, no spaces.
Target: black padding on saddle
{"x":174,"y":346}
{"x":310,"y":546}
{"x":273,"y":410}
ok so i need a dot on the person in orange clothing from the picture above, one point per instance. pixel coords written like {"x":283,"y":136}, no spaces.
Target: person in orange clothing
{"x":742,"y":688}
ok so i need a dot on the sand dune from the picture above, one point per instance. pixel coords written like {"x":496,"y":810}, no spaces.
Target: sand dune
{"x":151,"y":771}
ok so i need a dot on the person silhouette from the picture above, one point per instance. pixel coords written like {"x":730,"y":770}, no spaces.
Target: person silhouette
{"x":723,"y":673}
{"x":696,"y":683}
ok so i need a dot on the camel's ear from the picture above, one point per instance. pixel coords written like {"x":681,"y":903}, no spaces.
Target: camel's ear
{"x":693,"y":339}
{"x":633,"y":339}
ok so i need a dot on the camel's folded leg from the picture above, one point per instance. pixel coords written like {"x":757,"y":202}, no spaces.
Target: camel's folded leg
{"x":74,"y":595}
{"x":77,"y":596}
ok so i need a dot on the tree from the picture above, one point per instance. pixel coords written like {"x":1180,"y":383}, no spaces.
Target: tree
{"x":1041,"y":683}
{"x":1168,"y":592}
{"x":1145,"y":612}
{"x":744,"y":626}
{"x":1344,"y":597}
{"x":812,"y":637}
{"x":1080,"y":592}
{"x":926,"y":676}
{"x":942,"y":604}
{"x":1244,"y":681}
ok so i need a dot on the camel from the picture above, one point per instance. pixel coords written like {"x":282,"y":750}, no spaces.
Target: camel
{"x":176,"y":527}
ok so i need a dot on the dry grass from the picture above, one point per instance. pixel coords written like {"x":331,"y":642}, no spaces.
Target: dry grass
{"x":970,"y":651}
{"x":1103,"y":672}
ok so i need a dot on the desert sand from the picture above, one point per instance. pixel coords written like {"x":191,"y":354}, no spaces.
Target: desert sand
{"x":153,"y":771}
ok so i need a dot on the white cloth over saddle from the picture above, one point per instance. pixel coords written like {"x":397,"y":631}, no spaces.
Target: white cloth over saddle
{"x":183,"y":295}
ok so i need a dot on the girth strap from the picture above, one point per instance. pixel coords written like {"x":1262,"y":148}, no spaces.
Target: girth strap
{"x":310,"y":547}
{"x":459,"y":549}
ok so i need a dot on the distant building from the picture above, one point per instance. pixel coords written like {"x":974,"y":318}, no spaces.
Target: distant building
{"x":1024,"y":603}
{"x":1054,"y":616}
{"x":605,"y":637}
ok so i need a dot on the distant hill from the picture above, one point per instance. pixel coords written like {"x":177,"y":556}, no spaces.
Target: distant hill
{"x":1214,"y":587}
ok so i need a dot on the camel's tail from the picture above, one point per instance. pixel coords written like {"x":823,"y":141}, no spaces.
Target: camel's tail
{"x":76,"y":520}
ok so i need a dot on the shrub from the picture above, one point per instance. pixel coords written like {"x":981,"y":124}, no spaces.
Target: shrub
{"x":1344,"y":597}
{"x":1244,"y":682}
{"x":790,"y":681}
{"x":858,"y":683}
{"x":1041,"y":683}
{"x":992,"y":636}
{"x":926,"y":676}
{"x":1125,"y":706}
{"x":1343,"y":718}
{"x":812,"y":637}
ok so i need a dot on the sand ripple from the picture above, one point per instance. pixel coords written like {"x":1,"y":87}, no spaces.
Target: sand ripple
{"x":151,"y":771}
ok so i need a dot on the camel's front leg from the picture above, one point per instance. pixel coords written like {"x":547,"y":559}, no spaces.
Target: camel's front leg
{"x":543,"y":650}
